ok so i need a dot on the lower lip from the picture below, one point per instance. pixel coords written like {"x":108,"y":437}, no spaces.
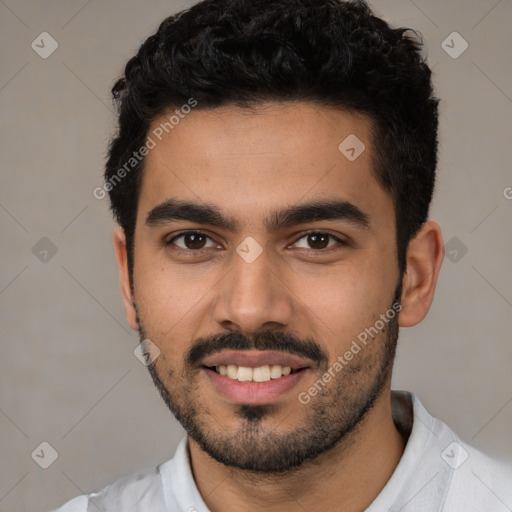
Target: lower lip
{"x":254,"y":392}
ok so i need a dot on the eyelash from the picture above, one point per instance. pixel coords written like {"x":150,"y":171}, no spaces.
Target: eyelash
{"x":198,"y":251}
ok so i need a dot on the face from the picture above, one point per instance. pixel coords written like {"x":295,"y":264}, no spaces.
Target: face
{"x":264,"y":251}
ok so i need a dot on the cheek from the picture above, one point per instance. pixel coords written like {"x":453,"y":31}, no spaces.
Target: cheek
{"x":168,"y":300}
{"x":343,"y":303}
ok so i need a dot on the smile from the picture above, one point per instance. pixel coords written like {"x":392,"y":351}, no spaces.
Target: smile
{"x":247,"y":374}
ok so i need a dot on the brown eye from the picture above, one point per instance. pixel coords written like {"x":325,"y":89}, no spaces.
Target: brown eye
{"x":192,"y":240}
{"x":318,"y":241}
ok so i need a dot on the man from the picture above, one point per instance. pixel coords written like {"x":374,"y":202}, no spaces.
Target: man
{"x":271,"y":178}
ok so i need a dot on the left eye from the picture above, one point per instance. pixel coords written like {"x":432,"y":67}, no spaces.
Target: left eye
{"x":195,"y":240}
{"x":319,"y":238}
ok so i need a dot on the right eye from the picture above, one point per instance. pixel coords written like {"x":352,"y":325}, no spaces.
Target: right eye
{"x":193,"y":241}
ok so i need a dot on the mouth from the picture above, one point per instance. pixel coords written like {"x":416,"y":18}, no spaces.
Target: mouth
{"x":254,"y":377}
{"x":262,"y":373}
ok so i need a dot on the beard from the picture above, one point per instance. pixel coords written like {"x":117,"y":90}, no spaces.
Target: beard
{"x":331,"y":416}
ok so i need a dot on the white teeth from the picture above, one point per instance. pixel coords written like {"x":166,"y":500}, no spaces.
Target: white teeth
{"x":275,"y":371}
{"x":260,"y":374}
{"x":244,"y":374}
{"x":232,"y":371}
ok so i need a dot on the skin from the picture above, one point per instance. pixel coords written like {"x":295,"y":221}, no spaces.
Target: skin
{"x":244,"y":162}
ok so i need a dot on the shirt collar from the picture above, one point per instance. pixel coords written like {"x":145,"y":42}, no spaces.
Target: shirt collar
{"x":412,"y":421}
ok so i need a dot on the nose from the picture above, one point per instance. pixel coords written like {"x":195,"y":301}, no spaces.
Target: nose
{"x":253,"y":297}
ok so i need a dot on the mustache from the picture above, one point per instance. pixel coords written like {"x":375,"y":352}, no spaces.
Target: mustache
{"x":267,"y":340}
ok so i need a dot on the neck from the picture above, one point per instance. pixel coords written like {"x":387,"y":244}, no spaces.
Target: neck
{"x":348,"y":477}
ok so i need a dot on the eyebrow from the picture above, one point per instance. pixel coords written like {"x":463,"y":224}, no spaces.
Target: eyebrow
{"x":203,"y":213}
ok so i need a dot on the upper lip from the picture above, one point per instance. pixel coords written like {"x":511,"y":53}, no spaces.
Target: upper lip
{"x":255,"y":358}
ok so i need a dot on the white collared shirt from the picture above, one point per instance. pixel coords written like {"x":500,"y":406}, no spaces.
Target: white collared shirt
{"x":437,"y":473}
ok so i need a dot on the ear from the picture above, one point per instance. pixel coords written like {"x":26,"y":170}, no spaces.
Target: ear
{"x":124,"y":277}
{"x":423,"y":263}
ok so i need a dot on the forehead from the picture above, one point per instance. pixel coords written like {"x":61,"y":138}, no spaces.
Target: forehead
{"x":250,"y":162}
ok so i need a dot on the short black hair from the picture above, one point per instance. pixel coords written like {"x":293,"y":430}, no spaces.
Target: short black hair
{"x":244,"y":52}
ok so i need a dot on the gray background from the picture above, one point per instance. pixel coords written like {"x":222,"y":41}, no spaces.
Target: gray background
{"x":68,"y":375}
